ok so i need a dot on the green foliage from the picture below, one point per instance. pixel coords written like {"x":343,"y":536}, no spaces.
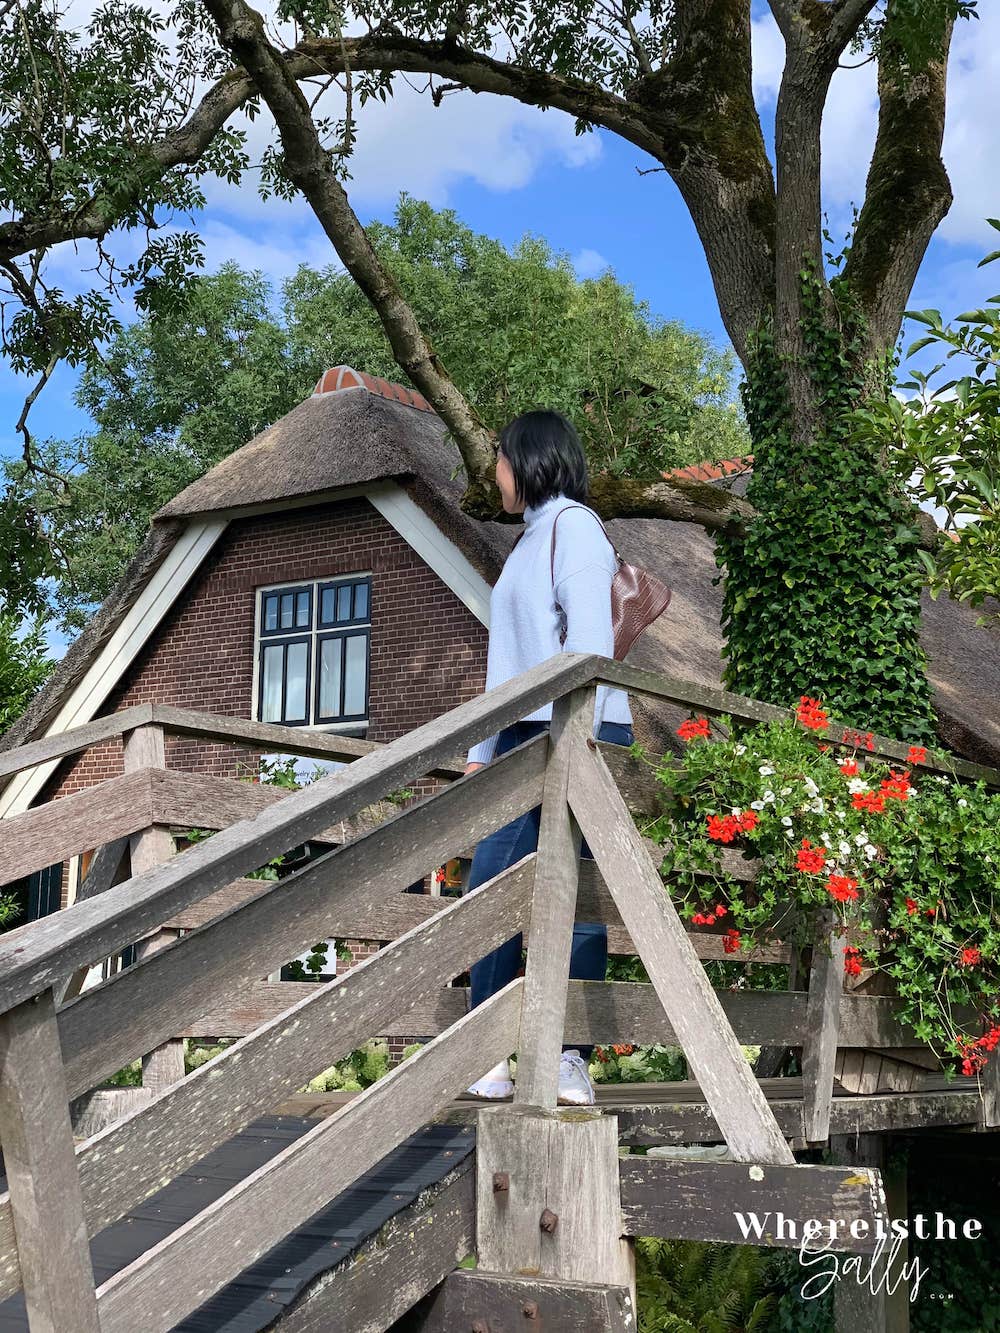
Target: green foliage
{"x":176,"y":393}
{"x":912,"y":870}
{"x":624,"y":1063}
{"x":360,"y":1069}
{"x":822,"y":594}
{"x":24,"y":665}
{"x":945,"y":443}
{"x":686,"y":1286}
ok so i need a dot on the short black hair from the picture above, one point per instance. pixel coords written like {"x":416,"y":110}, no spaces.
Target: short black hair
{"x":546,"y":457}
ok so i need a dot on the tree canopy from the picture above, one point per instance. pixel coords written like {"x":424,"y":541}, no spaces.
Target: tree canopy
{"x":174,"y":393}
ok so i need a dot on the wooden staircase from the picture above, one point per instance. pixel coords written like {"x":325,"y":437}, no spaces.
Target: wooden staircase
{"x":556,"y":1207}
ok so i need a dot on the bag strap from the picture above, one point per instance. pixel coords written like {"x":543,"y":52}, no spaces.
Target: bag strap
{"x":552,"y":549}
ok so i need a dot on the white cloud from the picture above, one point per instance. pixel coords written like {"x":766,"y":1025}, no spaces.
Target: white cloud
{"x":589,"y":263}
{"x":971,"y":146}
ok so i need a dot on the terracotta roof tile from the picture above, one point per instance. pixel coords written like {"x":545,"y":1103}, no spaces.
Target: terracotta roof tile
{"x":346,"y":377}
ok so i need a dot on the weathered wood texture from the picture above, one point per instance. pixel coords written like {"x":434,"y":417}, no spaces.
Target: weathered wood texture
{"x":553,"y":908}
{"x":157,"y":997}
{"x":819,"y":1049}
{"x":182,"y":1271}
{"x":711,"y":1048}
{"x":867,"y":1306}
{"x":706,"y":1201}
{"x":90,"y":1114}
{"x":124,"y":1165}
{"x":109,"y":865}
{"x":73,"y":741}
{"x":45,"y":1202}
{"x":473,"y":1299}
{"x":412,"y":1253}
{"x":46,"y":950}
{"x":564,"y":1160}
{"x":77,"y":823}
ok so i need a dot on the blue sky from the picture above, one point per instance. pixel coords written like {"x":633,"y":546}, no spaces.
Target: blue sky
{"x":507,"y":169}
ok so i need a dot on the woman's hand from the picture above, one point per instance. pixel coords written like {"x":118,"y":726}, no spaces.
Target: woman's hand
{"x":471,"y":768}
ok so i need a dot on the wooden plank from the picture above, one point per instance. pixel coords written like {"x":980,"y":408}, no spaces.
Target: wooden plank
{"x":709,"y":1043}
{"x":188,"y":1266}
{"x":563,"y":1159}
{"x":94,"y":1112}
{"x":73,"y":741}
{"x":50,"y":833}
{"x":408,"y":1257}
{"x":553,"y":908}
{"x":497,"y":1303}
{"x":714,"y":701}
{"x":272,"y":737}
{"x":109,"y":866}
{"x":320,"y":1024}
{"x":154,"y":999}
{"x":819,"y":1049}
{"x":46,"y":951}
{"x":702,"y":1201}
{"x":45,"y":1200}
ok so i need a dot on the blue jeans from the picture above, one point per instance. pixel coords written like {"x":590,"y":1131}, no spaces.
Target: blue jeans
{"x":504,"y":848}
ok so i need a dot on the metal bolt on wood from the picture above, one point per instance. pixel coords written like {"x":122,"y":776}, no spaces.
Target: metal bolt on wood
{"x":530,"y":1309}
{"x":501,"y":1182}
{"x":549,"y":1220}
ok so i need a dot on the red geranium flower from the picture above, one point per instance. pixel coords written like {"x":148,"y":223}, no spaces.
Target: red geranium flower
{"x":911,"y":906}
{"x":722,"y":828}
{"x":970,"y":957}
{"x":748,"y":820}
{"x":896,"y":786}
{"x":809,"y":859}
{"x":731,"y":941}
{"x":811,"y":714}
{"x":842,"y":887}
{"x":852,"y":960}
{"x":869,"y":800}
{"x":849,"y":768}
{"x":721,"y":910}
{"x":693,"y":728}
{"x":917,"y":754}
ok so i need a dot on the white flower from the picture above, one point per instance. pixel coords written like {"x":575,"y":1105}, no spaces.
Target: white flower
{"x":871,"y":851}
{"x":769,"y":797}
{"x":844,"y":848}
{"x":756,"y":805}
{"x":962,"y":801}
{"x":740,"y":749}
{"x":765,"y":770}
{"x":857,"y":785}
{"x":831,"y":864}
{"x":810,"y":787}
{"x":817,"y":806}
{"x":789,"y":834}
{"x":786,"y":820}
{"x":860,"y":839}
{"x":736,"y":812}
{"x":824,"y":840}
{"x":785,"y":791}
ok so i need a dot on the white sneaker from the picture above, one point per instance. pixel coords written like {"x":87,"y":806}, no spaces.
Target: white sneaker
{"x":494,"y":1085}
{"x":575,"y":1087}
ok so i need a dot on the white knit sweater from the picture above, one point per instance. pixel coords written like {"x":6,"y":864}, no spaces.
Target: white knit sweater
{"x":524,"y":622}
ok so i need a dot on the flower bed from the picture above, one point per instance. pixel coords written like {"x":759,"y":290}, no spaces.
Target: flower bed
{"x":908,"y":860}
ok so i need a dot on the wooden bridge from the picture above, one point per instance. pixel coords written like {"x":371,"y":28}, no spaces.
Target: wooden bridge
{"x":546,"y":1201}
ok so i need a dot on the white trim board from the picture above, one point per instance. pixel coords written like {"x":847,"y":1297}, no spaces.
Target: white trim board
{"x":154,"y":601}
{"x":437,"y":551}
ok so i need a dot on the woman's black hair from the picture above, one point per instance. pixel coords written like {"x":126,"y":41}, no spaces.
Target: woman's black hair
{"x":545,"y":456}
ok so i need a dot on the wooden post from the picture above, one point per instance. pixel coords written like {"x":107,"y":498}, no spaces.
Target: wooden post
{"x":548,"y":1200}
{"x":553,"y":908}
{"x":819,"y":1050}
{"x":144,"y":748}
{"x":45,"y":1197}
{"x":857,"y":1309}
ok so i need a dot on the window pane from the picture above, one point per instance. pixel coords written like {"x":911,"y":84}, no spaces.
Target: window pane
{"x":302,"y":608}
{"x":270,"y":613}
{"x":326,"y":607}
{"x":287,"y":609}
{"x":356,"y":673}
{"x":344,"y":602}
{"x":271,"y":689}
{"x":330,"y":653}
{"x":295,"y":685}
{"x":360,"y":601}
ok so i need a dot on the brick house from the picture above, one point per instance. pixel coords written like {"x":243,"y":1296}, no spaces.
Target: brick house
{"x":324,"y":576}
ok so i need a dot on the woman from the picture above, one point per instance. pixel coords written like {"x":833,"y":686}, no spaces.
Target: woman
{"x":541,"y":469}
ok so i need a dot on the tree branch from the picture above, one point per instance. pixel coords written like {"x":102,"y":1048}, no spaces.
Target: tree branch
{"x":907,"y":192}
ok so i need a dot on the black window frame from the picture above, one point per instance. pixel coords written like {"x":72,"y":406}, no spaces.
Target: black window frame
{"x":344,"y":632}
{"x":285,"y":643}
{"x":295,"y":589}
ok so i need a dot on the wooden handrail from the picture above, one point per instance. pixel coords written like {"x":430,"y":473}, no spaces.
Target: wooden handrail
{"x":39,"y":955}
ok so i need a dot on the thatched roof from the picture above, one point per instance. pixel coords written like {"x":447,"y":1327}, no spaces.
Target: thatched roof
{"x":347,"y":436}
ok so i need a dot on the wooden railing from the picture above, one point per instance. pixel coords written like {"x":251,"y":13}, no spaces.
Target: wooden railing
{"x":210,"y":935}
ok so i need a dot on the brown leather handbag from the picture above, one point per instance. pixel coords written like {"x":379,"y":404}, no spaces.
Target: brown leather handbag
{"x":637,"y":597}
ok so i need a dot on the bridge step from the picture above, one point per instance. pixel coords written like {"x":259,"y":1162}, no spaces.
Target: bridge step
{"x":259,"y":1294}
